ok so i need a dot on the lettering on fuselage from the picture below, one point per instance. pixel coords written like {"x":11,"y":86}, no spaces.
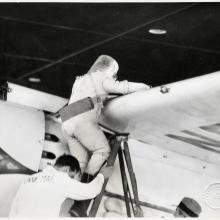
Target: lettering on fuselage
{"x":203,"y":142}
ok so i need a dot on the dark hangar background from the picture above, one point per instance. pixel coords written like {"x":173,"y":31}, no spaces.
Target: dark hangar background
{"x":33,"y":35}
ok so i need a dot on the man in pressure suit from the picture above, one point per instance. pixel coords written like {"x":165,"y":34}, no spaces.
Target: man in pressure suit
{"x":84,"y":136}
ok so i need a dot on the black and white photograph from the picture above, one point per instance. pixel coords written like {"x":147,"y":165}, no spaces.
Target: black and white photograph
{"x":110,"y":109}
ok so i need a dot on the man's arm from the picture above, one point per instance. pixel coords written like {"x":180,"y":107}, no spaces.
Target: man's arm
{"x":123,"y":87}
{"x":83,"y":191}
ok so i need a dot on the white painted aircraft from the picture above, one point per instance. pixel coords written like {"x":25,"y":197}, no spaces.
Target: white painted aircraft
{"x":174,"y":142}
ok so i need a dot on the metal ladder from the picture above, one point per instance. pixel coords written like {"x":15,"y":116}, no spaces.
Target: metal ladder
{"x":119,"y":145}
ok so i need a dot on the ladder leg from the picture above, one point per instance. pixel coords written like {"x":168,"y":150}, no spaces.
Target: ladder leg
{"x":124,"y":181}
{"x":115,"y":143}
{"x":132,"y":178}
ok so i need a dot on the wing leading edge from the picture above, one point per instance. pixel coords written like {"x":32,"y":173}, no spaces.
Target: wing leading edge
{"x":182,"y":117}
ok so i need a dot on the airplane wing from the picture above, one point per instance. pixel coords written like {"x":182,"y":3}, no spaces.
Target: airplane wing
{"x":22,"y":131}
{"x":36,"y":99}
{"x":183,"y":117}
{"x":174,"y":141}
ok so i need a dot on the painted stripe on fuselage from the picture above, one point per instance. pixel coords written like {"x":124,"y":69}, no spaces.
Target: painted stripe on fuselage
{"x":204,"y":142}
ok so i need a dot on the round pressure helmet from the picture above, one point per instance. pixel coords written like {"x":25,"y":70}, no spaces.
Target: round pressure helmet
{"x":106,"y":65}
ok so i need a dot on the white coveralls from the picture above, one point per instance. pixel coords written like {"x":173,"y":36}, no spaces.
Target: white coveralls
{"x":42,"y":194}
{"x":82,"y":131}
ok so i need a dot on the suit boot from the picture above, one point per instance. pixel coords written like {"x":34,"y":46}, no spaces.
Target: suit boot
{"x":79,"y":208}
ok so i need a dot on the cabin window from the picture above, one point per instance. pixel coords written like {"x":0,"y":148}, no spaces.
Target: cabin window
{"x":9,"y":166}
{"x":51,"y":137}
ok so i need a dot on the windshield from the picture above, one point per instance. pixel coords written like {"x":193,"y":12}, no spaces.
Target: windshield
{"x":9,"y":165}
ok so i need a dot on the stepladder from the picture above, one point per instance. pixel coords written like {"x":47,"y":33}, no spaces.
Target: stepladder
{"x":119,"y":147}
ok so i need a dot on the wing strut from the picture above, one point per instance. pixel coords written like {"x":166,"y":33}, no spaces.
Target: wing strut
{"x":119,"y":145}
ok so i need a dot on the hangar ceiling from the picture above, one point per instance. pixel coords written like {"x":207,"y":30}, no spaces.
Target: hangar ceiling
{"x":34,"y":36}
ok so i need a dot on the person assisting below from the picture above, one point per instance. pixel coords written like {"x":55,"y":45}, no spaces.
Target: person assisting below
{"x":42,"y":194}
{"x":188,"y":207}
